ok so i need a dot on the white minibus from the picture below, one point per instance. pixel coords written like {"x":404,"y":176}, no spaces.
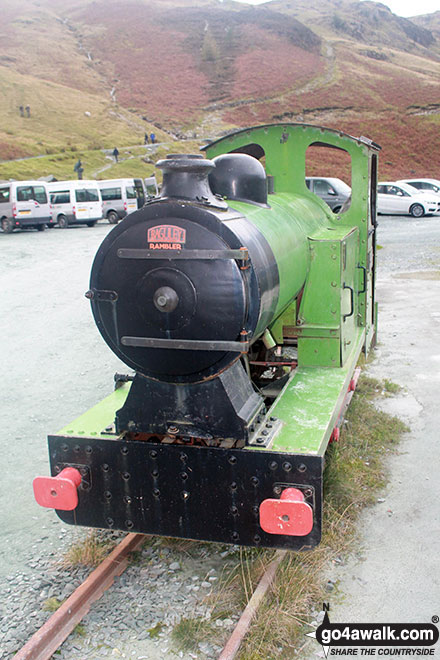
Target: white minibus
{"x":24,"y":204}
{"x":75,"y":202}
{"x":120,"y":197}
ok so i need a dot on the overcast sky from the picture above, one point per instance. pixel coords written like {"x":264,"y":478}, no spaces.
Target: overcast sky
{"x":399,"y":7}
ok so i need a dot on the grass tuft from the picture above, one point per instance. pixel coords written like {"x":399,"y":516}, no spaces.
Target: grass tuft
{"x":155,"y":630}
{"x":80,"y":630}
{"x":51,"y":604}
{"x":90,"y":551}
{"x":390,"y":387}
{"x":189,"y":632}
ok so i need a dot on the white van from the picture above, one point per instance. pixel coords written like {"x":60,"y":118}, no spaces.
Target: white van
{"x":120,"y":197}
{"x":75,"y":202}
{"x":24,"y":204}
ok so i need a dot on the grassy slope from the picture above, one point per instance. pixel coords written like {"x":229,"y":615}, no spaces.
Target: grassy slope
{"x":64,"y":62}
{"x":134,"y":161}
{"x":44,"y":63}
{"x":57,"y":118}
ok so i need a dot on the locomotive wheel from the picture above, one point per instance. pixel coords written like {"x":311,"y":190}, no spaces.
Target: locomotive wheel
{"x":7,"y":225}
{"x":41,"y":227}
{"x":417,"y":210}
{"x":112,"y":217}
{"x":63,"y":223}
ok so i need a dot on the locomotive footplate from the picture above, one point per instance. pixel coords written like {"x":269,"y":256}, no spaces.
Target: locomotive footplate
{"x":202,"y":493}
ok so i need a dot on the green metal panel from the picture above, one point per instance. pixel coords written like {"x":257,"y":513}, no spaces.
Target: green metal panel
{"x":349,"y":318}
{"x":309,"y":405}
{"x":94,"y":422}
{"x":286,"y":225}
{"x":321,"y":329}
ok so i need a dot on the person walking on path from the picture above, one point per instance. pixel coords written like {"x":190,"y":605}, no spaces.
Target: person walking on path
{"x":115,"y":154}
{"x":152,"y":138}
{"x":146,"y":140}
{"x":28,"y":110}
{"x":21,"y":111}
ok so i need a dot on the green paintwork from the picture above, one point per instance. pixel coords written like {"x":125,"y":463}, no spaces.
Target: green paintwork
{"x":287,"y":318}
{"x":94,"y":422}
{"x":309,"y":405}
{"x":286,"y":225}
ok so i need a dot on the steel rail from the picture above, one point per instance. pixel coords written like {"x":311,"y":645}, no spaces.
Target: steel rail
{"x":55,"y":631}
{"x":241,"y":629}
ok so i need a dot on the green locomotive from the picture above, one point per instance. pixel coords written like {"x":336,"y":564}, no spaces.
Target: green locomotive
{"x":242,"y":303}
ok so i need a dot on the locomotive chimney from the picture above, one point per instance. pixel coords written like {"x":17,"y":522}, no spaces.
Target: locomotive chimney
{"x":185,"y":177}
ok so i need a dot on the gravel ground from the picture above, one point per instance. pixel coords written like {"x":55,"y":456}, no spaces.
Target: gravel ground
{"x":135,"y":618}
{"x":57,"y":366}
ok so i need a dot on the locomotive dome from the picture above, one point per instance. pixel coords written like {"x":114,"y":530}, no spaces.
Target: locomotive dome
{"x":239,"y":177}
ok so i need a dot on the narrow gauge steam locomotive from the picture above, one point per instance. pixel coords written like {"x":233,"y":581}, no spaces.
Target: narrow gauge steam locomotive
{"x":242,"y":304}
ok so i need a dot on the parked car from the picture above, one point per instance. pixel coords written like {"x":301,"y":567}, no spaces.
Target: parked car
{"x":24,"y":204}
{"x":75,"y":202}
{"x":425,"y":185}
{"x":403,"y":199}
{"x":120,"y":197}
{"x":333,"y":191}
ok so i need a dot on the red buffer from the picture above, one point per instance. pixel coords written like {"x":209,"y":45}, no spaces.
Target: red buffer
{"x":290,"y":515}
{"x":60,"y":492}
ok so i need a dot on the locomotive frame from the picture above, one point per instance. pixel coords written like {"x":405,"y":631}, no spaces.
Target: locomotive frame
{"x":267,"y":492}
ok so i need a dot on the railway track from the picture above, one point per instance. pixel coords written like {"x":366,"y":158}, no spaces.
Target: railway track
{"x":58,"y":627}
{"x":45,"y":641}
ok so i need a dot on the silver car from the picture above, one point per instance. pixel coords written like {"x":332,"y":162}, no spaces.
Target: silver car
{"x":333,"y":191}
{"x":425,"y":185}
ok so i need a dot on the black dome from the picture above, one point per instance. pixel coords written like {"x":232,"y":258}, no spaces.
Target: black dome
{"x":239,"y":176}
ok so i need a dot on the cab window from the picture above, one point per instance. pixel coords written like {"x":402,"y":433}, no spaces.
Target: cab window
{"x":4,"y":195}
{"x":131,"y":192}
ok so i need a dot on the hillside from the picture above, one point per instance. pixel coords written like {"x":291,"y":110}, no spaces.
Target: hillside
{"x":199,"y":69}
